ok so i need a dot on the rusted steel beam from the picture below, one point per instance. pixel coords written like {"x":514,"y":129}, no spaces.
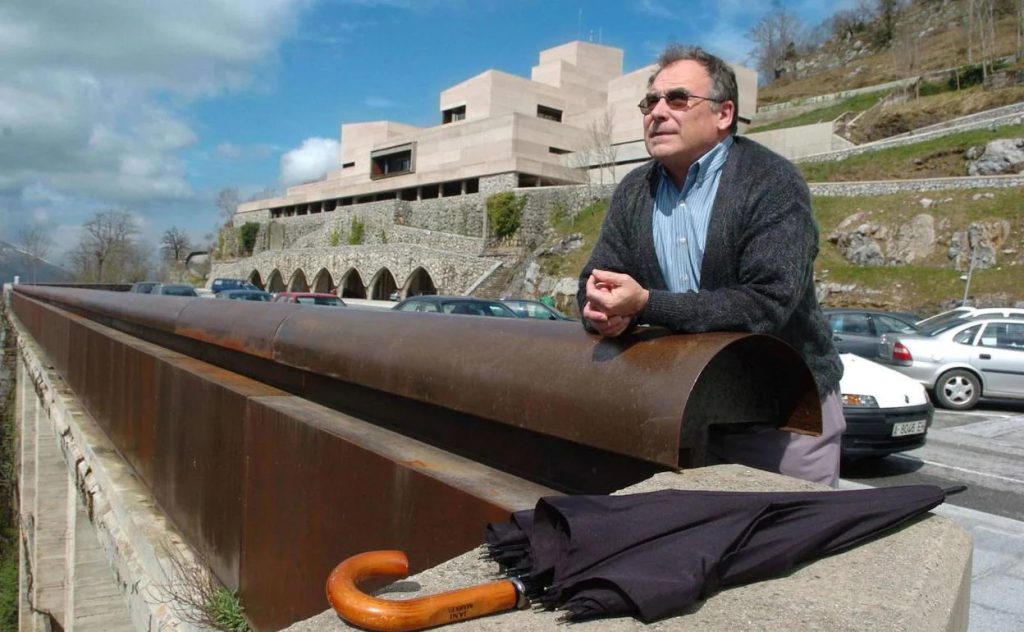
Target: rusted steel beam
{"x":649,"y":396}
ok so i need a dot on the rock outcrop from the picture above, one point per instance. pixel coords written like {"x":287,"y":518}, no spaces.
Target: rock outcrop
{"x":1003,"y":156}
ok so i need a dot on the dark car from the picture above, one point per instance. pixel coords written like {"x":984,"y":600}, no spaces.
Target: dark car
{"x":533,"y":309}
{"x":143,"y":287}
{"x":465,"y":305}
{"x":174,"y":289}
{"x":244,"y":295}
{"x":220,"y":285}
{"x":859,"y":331}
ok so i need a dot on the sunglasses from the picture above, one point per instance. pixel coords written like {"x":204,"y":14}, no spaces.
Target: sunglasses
{"x":676,"y":99}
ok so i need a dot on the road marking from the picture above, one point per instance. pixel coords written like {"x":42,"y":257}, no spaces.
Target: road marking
{"x":1005,"y":479}
{"x":992,"y":427}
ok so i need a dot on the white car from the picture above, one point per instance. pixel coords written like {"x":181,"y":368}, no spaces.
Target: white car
{"x":885,"y":411}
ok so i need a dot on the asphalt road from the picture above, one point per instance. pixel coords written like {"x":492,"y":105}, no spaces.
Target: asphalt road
{"x":982,"y":449}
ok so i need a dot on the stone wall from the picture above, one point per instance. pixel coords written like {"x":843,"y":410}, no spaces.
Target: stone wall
{"x":887,"y":187}
{"x":450,"y":270}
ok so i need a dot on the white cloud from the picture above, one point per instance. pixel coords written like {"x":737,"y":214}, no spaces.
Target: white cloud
{"x":94,"y":97}
{"x":311,"y":161}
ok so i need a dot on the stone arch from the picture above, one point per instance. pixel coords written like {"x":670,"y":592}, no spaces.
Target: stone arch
{"x":382,"y":285}
{"x":256,"y":279}
{"x":298,"y":282}
{"x":275,"y":283}
{"x":322,"y":282}
{"x":417,"y":283}
{"x":351,"y":285}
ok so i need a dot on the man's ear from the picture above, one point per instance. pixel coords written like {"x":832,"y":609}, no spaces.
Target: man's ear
{"x":726,"y":115}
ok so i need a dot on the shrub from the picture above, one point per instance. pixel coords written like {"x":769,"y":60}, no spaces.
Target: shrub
{"x":247,"y":236}
{"x":335,"y":238}
{"x":356,"y":231}
{"x":505,"y":213}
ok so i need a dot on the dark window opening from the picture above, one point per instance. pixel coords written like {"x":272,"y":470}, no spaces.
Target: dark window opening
{"x":409,"y":195}
{"x":449,"y":189}
{"x":390,"y":195}
{"x":363,"y":199}
{"x":452,"y":115}
{"x":429,"y":192}
{"x":347,"y":165}
{"x":473,"y":185}
{"x":391,"y":162}
{"x":550,"y":114}
{"x":345,"y":201}
{"x":330,"y":205}
{"x":559,"y":151}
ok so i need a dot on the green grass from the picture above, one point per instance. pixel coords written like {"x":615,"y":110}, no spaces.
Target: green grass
{"x":588,"y":223}
{"x":898,"y":162}
{"x":857,"y":103}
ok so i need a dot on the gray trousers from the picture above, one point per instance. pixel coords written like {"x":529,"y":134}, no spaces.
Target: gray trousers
{"x":813,"y":459}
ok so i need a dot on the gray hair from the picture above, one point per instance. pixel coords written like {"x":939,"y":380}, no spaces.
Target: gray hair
{"x":723,"y":79}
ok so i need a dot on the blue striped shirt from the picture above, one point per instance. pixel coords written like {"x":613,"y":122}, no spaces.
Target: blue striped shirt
{"x":681,"y":219}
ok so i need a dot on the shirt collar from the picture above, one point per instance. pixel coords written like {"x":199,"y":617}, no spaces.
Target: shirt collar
{"x":705,"y":166}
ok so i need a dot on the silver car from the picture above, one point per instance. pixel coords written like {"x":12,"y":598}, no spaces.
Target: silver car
{"x":962,"y":360}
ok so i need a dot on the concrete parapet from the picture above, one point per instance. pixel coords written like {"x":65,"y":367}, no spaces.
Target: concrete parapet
{"x":916,"y":578}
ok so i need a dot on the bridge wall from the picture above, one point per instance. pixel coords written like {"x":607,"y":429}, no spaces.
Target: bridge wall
{"x":177,"y":461}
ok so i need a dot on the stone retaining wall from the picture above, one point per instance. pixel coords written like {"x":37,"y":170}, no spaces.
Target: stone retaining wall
{"x":887,"y":187}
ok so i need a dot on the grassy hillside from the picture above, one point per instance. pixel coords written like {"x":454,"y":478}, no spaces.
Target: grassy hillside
{"x":945,"y":48}
{"x":925,"y":287}
{"x":937,"y":158}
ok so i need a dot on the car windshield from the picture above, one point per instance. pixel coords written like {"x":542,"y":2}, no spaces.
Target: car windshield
{"x":177,"y":290}
{"x":331,"y":301}
{"x":478,"y":308}
{"x":953,"y":315}
{"x":944,"y":325}
{"x":530,"y":309}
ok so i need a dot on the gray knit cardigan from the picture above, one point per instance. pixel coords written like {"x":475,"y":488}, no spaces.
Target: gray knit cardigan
{"x":757,"y":274}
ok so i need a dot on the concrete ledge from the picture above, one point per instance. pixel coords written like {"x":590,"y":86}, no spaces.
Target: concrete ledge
{"x":917,"y":578}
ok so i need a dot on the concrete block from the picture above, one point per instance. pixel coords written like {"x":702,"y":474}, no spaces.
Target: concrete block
{"x":917,"y":578}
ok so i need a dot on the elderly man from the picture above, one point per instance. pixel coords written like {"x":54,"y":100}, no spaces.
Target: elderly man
{"x":716,"y":234}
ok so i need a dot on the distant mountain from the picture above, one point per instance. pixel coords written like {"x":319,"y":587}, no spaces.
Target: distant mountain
{"x":15,"y":262}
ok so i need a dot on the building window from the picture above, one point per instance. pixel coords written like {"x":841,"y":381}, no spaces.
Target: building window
{"x":452,"y":115}
{"x":550,"y":114}
{"x":558,"y":151}
{"x":348,"y":165}
{"x":392,"y":161}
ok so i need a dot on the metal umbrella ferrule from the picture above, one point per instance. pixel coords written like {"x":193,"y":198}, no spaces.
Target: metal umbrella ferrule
{"x":372,"y":613}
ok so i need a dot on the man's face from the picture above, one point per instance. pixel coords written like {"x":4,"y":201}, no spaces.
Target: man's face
{"x":677,"y":138}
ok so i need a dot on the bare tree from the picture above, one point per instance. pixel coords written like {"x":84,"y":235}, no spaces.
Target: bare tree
{"x":227,"y":204}
{"x":36,"y":244}
{"x":106,"y":253}
{"x":905,"y":52}
{"x":774,"y":36}
{"x":175,"y":245}
{"x":1020,"y":30}
{"x":602,"y":150}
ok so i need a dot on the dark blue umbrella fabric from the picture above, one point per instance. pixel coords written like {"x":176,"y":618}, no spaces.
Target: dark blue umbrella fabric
{"x":652,"y":555}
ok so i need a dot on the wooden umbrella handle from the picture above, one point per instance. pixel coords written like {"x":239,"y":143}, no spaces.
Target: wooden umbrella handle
{"x":371,"y":613}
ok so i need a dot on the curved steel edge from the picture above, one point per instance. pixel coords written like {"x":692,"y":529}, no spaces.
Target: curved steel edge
{"x":650,"y":395}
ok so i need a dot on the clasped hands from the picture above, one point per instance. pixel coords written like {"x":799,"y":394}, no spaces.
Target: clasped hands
{"x":613,"y":299}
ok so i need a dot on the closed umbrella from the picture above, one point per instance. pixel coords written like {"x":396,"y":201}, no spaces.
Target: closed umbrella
{"x":648,"y":555}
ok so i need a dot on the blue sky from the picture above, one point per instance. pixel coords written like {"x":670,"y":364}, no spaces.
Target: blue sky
{"x":153,"y":106}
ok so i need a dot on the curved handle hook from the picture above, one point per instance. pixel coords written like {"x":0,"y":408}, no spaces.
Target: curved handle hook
{"x":371,"y":613}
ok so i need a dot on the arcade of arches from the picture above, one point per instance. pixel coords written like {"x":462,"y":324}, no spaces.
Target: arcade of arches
{"x":382,"y":285}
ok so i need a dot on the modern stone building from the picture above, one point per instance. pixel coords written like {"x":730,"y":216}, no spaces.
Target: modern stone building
{"x":573,"y":122}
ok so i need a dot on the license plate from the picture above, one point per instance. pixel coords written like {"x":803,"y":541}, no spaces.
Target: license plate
{"x":905,"y":428}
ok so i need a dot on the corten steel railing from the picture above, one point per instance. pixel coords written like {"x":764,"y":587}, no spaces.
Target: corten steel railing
{"x":265,"y":483}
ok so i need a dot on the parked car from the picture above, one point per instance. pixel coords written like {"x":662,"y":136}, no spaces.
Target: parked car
{"x":221,"y":284}
{"x":534,"y":309}
{"x":858,"y":331}
{"x":961,"y":361}
{"x":244,"y":295}
{"x":466,"y":305}
{"x":174,"y":289}
{"x":960,"y":314}
{"x":886,"y":412}
{"x":309,"y":298}
{"x":143,"y":287}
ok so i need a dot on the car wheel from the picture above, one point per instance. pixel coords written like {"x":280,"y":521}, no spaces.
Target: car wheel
{"x":957,"y":390}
